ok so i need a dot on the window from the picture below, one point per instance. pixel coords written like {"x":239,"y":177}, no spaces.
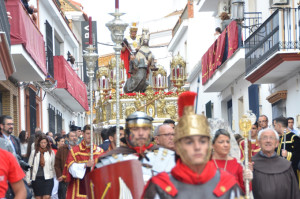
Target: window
{"x":279,"y":109}
{"x":49,"y":48}
{"x":57,"y":46}
{"x":32,"y":110}
{"x":253,"y":92}
{"x":208,"y":107}
{"x":51,"y":115}
{"x":229,"y":113}
{"x":58,"y":121}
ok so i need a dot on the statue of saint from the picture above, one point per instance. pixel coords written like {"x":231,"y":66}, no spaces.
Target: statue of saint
{"x":139,"y":66}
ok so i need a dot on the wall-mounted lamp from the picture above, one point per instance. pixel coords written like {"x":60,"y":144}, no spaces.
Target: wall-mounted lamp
{"x":237,"y":10}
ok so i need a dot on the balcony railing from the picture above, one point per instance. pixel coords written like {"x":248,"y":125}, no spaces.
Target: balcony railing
{"x":24,"y":31}
{"x":280,"y":32}
{"x":4,"y":24}
{"x":68,"y":79}
{"x":221,"y":50}
{"x":184,"y":15}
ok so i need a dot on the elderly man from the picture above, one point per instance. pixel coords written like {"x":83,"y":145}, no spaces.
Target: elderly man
{"x":164,"y":136}
{"x":291,"y":141}
{"x":138,"y":138}
{"x":263,"y":122}
{"x":273,"y":176}
{"x":194,"y":176}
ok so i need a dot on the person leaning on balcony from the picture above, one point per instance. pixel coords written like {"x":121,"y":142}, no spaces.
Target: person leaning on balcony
{"x":225,"y":20}
{"x":30,"y":8}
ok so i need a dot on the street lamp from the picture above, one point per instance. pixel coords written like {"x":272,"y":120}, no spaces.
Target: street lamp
{"x":117,"y":28}
{"x":237,"y":10}
{"x":90,"y":58}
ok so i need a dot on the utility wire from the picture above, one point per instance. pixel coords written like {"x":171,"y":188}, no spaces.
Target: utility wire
{"x":106,"y":44}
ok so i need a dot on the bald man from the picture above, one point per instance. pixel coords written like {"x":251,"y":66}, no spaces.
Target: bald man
{"x":164,"y":136}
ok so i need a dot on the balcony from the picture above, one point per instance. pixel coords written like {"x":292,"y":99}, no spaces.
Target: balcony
{"x":28,"y":46}
{"x":272,"y":51}
{"x":70,"y":89}
{"x":181,"y":25}
{"x":7,"y":67}
{"x":224,"y":61}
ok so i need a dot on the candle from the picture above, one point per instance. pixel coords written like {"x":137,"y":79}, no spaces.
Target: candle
{"x":90,"y":31}
{"x":117,"y":4}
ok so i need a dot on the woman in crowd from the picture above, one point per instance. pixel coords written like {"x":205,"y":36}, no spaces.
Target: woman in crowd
{"x":23,"y":137}
{"x":221,"y":158}
{"x":42,"y":172}
{"x":60,"y":141}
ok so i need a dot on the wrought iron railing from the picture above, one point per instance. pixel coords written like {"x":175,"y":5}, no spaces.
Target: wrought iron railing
{"x":4,"y":24}
{"x":184,"y":15}
{"x":252,"y":21}
{"x":280,"y":32}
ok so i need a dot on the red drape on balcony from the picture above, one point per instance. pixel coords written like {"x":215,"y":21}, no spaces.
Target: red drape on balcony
{"x":205,"y":69}
{"x":68,"y":79}
{"x":220,"y":47}
{"x":24,"y":31}
{"x":211,"y":59}
{"x":233,"y":40}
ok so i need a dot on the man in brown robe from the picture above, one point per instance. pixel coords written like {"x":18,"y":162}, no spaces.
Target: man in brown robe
{"x":273,"y":176}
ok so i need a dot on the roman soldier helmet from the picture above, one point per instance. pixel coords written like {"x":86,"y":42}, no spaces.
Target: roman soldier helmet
{"x":189,"y":123}
{"x":137,"y":119}
{"x":133,"y":26}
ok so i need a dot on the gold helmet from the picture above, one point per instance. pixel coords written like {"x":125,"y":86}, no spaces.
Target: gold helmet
{"x":189,"y":123}
{"x":133,"y":26}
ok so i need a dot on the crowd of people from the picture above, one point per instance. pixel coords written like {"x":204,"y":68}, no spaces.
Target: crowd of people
{"x":192,"y":161}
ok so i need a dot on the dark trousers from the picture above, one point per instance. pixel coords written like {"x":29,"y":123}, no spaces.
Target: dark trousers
{"x":62,"y":189}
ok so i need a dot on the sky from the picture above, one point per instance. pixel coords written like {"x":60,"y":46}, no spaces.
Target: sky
{"x":136,"y":11}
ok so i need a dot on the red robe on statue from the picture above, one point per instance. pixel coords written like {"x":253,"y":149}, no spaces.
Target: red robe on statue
{"x":79,"y":154}
{"x":125,"y":56}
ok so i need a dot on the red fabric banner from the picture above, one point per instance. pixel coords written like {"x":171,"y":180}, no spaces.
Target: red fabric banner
{"x":125,"y":57}
{"x":220,"y":47}
{"x":24,"y":31}
{"x":205,"y":69}
{"x":211,"y":59}
{"x":68,"y":79}
{"x":233,"y":40}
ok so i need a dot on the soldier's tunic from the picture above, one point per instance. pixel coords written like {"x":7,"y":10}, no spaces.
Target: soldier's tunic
{"x":254,"y":148}
{"x":154,"y":159}
{"x":293,"y":148}
{"x":184,"y":183}
{"x":79,"y":154}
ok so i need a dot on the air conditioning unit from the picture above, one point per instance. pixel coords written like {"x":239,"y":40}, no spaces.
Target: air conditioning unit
{"x":280,"y":2}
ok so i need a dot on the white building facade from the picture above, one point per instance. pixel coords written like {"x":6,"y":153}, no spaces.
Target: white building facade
{"x":261,"y":75}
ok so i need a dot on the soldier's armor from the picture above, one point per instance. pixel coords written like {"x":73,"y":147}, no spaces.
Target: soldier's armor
{"x":198,"y":191}
{"x":133,"y":43}
{"x":160,"y":160}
